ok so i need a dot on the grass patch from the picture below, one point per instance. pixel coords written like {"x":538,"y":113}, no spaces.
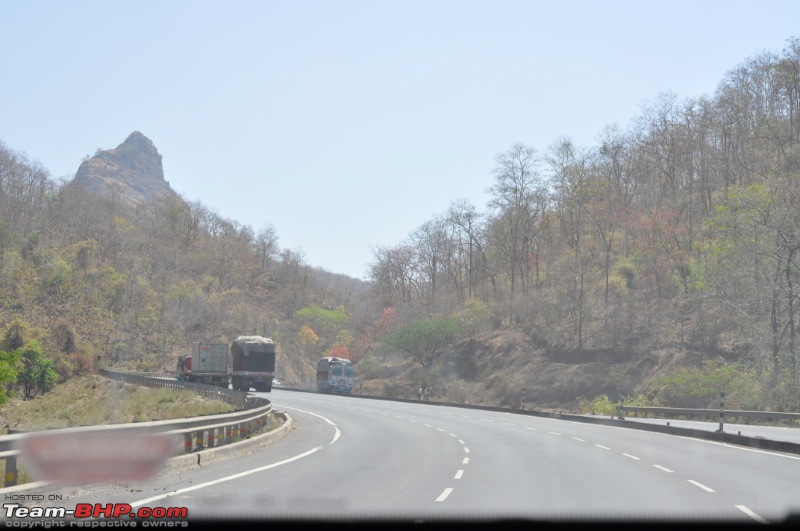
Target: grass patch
{"x":94,"y":400}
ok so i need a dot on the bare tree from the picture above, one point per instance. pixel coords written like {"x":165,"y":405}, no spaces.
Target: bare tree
{"x":518,"y":200}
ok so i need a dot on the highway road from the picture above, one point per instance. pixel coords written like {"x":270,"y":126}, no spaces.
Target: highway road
{"x":352,"y":457}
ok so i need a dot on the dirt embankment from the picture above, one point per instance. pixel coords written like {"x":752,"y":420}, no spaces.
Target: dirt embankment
{"x":510,"y":368}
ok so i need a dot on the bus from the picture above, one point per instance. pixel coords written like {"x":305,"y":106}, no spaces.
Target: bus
{"x":335,"y":375}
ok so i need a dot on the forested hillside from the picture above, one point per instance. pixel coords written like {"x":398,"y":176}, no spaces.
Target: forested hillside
{"x":88,"y":277}
{"x":680,"y":231}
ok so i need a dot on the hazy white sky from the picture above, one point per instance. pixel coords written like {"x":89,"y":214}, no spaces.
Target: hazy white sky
{"x":348,"y":124}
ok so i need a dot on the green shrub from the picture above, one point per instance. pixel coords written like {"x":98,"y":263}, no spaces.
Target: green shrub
{"x":701,"y":387}
{"x":602,"y":405}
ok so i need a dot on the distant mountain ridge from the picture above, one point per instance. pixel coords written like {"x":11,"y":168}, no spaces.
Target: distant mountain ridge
{"x":132,"y":170}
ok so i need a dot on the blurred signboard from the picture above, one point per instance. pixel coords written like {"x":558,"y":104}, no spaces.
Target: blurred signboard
{"x":95,"y":457}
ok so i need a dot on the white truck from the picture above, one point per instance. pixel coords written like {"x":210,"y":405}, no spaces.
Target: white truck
{"x":208,"y":363}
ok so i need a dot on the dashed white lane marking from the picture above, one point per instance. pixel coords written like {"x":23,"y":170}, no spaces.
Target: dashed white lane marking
{"x":465,"y":416}
{"x":579,"y":439}
{"x":415,"y":421}
{"x":696,"y":484}
{"x":664,"y":469}
{"x":529,"y":428}
{"x":465,"y":461}
{"x":440,"y":429}
{"x":461,"y":441}
{"x":453,"y":435}
{"x":603,"y":447}
{"x":553,"y":433}
{"x":427,"y":425}
{"x":751,"y":514}
{"x":631,"y":456}
{"x":336,"y":436}
{"x":459,"y":473}
{"x":508,"y":424}
{"x":443,"y":496}
{"x":466,"y":450}
{"x":488,"y":420}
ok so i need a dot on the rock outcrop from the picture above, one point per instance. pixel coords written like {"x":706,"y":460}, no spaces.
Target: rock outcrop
{"x":132,"y":171}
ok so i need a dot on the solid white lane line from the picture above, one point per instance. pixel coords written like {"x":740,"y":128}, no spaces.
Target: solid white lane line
{"x":336,"y":435}
{"x":737,"y":447}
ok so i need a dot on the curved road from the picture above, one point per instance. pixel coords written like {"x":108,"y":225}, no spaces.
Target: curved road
{"x":352,"y":457}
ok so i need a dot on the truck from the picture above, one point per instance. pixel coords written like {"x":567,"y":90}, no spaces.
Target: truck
{"x":208,"y":363}
{"x":335,"y":375}
{"x":253,"y":363}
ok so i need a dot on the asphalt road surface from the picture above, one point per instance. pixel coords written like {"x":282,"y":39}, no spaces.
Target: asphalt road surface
{"x":361,"y":458}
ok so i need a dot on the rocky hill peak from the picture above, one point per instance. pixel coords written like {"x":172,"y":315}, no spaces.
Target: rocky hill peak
{"x":133,"y":171}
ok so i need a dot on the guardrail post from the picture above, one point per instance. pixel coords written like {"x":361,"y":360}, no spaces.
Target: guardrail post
{"x":187,"y":443}
{"x":241,"y":430}
{"x":11,"y":471}
{"x":228,"y":434}
{"x":200,"y":440}
{"x":619,"y":413}
{"x":211,"y":434}
{"x":721,"y":411}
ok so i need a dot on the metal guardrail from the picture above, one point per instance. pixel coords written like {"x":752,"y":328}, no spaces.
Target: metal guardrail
{"x":192,"y":434}
{"x":231,"y":396}
{"x":673,"y":412}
